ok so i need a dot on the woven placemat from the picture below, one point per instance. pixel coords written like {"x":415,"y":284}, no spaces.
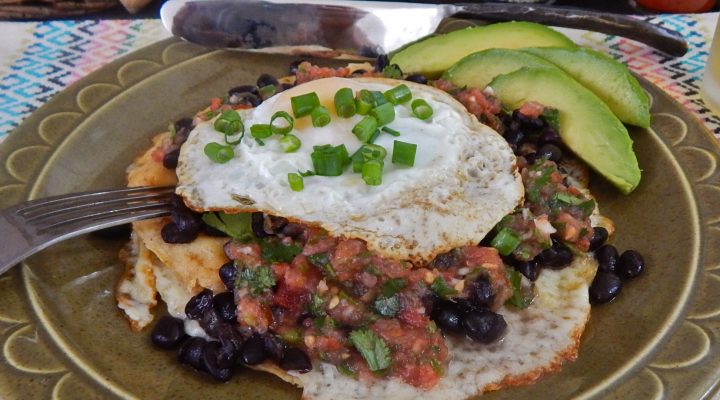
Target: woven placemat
{"x":24,"y":9}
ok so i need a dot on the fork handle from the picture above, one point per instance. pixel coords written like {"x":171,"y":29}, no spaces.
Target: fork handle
{"x":663,"y":39}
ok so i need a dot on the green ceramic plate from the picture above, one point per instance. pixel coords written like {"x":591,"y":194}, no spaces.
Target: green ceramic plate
{"x":63,"y":337}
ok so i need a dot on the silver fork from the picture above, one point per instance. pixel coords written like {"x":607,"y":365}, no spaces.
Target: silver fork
{"x":29,"y":227}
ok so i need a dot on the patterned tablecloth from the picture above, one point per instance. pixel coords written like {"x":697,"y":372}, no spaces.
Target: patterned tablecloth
{"x":38,"y":59}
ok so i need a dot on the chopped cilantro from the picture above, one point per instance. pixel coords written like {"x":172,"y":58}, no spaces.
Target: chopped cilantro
{"x":436,"y":366}
{"x":273,"y":251}
{"x":257,"y":279}
{"x":387,"y":306}
{"x":316,"y":306}
{"x":520,"y":298}
{"x":322,"y":261}
{"x":392,"y":71}
{"x":392,"y":286}
{"x":373,"y":349}
{"x":238,"y":226}
{"x":371,"y":269}
{"x":440,"y":288}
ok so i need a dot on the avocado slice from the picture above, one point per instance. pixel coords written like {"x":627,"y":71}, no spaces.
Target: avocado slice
{"x":607,"y":78}
{"x":433,"y":55}
{"x":587,"y":126}
{"x":478,"y":69}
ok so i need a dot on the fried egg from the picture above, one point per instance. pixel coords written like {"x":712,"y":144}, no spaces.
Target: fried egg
{"x":464,"y":179}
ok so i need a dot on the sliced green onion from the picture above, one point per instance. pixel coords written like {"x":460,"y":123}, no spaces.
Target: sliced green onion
{"x":295,"y":181}
{"x":421,"y":109}
{"x":372,"y":172}
{"x":303,"y":105}
{"x":228,"y":122}
{"x":267,"y":91}
{"x":290,"y":143}
{"x":328,"y":160}
{"x":320,"y":116}
{"x":260,"y":131}
{"x":366,"y":153}
{"x":374,"y":136}
{"x":384,"y":113}
{"x":505,"y":241}
{"x":278,"y":126}
{"x":399,"y":94}
{"x":404,"y":153}
{"x":390,"y":131}
{"x":218,"y":152}
{"x":364,"y":102}
{"x":345,"y":103}
{"x":378,"y":98}
{"x":365,"y":128}
{"x":232,"y":142}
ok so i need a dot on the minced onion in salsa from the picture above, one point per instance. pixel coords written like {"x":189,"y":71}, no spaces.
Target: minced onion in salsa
{"x":297,"y":295}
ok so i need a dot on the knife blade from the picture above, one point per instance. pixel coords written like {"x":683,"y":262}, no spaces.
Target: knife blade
{"x":369,"y":28}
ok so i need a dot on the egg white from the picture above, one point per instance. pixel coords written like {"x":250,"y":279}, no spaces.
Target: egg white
{"x":463,"y":182}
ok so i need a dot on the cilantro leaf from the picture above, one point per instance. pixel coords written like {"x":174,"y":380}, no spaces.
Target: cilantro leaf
{"x":440,"y":288}
{"x":322,"y":261}
{"x":316,"y":306}
{"x":520,"y":298}
{"x":392,"y":71}
{"x":274,"y":251}
{"x":387,"y":306}
{"x":392,"y":286}
{"x":257,"y":279}
{"x":238,"y":226}
{"x":373,"y":349}
{"x":551,"y":116}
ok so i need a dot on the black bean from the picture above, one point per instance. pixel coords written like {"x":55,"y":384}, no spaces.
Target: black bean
{"x":253,"y":351}
{"x":381,"y":62}
{"x":463,"y":305}
{"x":358,"y":72}
{"x":550,"y":152}
{"x":514,"y":137}
{"x":286,"y":86}
{"x":172,"y":234}
{"x":186,"y":220}
{"x":547,"y":257}
{"x":168,"y":332}
{"x":224,"y":304}
{"x":563,"y":258}
{"x":549,"y":135}
{"x":277,"y":224}
{"x":228,"y":275}
{"x":528,"y":122}
{"x":209,"y":359}
{"x":191,"y":353}
{"x":445,"y":260}
{"x":170,"y":160}
{"x":239,"y":90}
{"x":630,"y":264}
{"x":481,"y":292}
{"x":211,"y":321}
{"x":267,"y":80}
{"x":530,"y":269}
{"x":605,"y":287}
{"x":231,"y":345}
{"x":296,"y":360}
{"x":600,"y":236}
{"x":484,"y":326}
{"x":530,"y":158}
{"x":294,"y":66}
{"x":114,"y":232}
{"x":258,"y":225}
{"x":430,"y":301}
{"x":417,"y":78}
{"x":197,"y":304}
{"x":293,"y":230}
{"x":447,"y":316}
{"x":274,"y":347}
{"x":607,"y":257}
{"x":557,"y":256}
{"x":185,"y":122}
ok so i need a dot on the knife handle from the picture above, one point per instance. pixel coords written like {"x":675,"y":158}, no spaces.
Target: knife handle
{"x":656,"y":36}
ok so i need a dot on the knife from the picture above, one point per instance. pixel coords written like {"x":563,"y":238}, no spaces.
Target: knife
{"x":368,"y":28}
